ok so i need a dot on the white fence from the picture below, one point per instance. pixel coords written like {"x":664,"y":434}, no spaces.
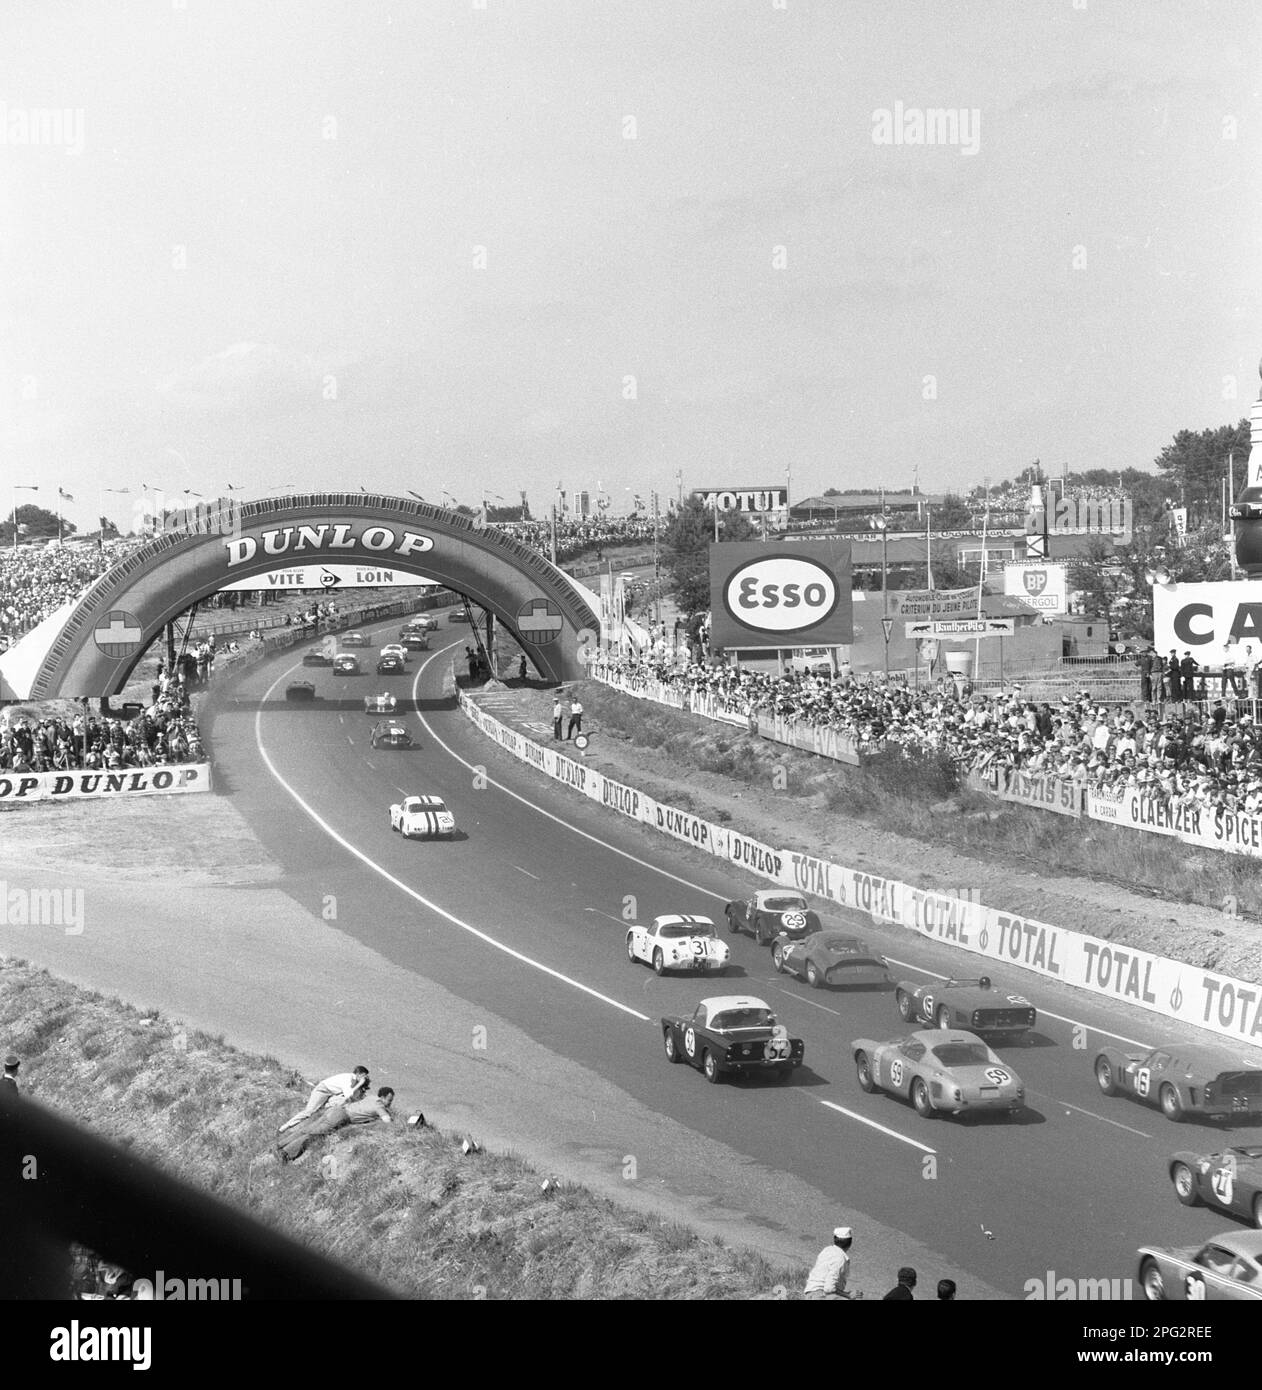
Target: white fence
{"x":1168,"y":988}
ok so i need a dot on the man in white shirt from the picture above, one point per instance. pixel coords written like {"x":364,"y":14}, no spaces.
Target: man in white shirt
{"x":831,"y":1270}
{"x":336,"y":1090}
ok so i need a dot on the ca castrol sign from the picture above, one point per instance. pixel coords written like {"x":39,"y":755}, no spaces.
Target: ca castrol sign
{"x":780,"y":596}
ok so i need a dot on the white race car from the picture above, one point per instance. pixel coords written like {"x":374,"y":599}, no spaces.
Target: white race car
{"x":679,"y":942}
{"x":422,"y":818}
{"x":395,"y":649}
{"x":384,"y":703}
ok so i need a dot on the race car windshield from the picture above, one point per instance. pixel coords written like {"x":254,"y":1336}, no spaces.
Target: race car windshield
{"x":840,"y":943}
{"x":786,"y":904}
{"x":674,"y":929}
{"x":962,"y":1055}
{"x":732,"y":1019}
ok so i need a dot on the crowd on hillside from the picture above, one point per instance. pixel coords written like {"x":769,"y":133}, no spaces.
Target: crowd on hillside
{"x":1180,"y":751}
{"x":588,"y":535}
{"x":36,"y":580}
{"x":164,"y":733}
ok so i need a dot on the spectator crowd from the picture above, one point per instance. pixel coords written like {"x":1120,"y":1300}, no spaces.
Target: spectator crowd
{"x":36,"y":580}
{"x":1183,"y":752}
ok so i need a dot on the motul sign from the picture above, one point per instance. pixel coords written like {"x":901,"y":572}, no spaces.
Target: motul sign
{"x":745,"y":499}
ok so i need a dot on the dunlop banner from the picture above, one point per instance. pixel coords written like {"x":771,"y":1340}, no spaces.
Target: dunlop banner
{"x":134,"y":781}
{"x":1231,"y":1008}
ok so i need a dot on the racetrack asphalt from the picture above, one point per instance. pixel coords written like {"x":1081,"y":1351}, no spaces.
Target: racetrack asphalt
{"x":487,"y":979}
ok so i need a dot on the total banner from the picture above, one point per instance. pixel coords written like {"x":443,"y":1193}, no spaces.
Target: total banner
{"x":1171,"y":989}
{"x":75,"y":786}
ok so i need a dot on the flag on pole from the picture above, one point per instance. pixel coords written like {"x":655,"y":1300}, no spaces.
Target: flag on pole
{"x":65,"y":496}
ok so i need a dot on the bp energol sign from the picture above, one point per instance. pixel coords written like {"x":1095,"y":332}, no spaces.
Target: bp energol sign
{"x":774,"y":596}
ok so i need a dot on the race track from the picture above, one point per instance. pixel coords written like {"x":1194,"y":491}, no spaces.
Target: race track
{"x":524,"y":916}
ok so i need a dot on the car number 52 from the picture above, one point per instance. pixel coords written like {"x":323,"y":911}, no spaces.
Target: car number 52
{"x":777,"y":1049}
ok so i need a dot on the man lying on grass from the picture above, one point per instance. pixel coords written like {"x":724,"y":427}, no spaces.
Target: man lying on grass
{"x":334,"y":1117}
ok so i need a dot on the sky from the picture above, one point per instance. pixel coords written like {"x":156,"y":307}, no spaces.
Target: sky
{"x":475,"y":247}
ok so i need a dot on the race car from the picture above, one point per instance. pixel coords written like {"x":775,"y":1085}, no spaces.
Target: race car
{"x":1184,"y":1079}
{"x":732,"y":1033}
{"x":415,"y":642}
{"x":316,"y":656}
{"x":1231,"y":1180}
{"x":384,"y":703}
{"x":458,"y":615}
{"x":679,"y":942}
{"x":422,"y":622}
{"x":772,"y":912}
{"x":344,"y":664}
{"x":388,"y":664}
{"x":390,"y":734}
{"x":830,"y":958}
{"x":395,"y":649}
{"x":973,"y":1004}
{"x":1227,"y":1268}
{"x":422,"y":817}
{"x":354,"y":639}
{"x":939,"y":1071}
{"x":300,"y":690}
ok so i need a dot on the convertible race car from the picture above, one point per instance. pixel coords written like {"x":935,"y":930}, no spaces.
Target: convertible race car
{"x":384,"y":703}
{"x":354,"y":639}
{"x":1231,"y":1180}
{"x":344,"y":664}
{"x":678,"y":942}
{"x":1229,"y":1267}
{"x":939,"y":1071}
{"x":422,"y":622}
{"x":316,"y":656}
{"x":772,"y":912}
{"x":415,"y":642}
{"x":732,"y":1033}
{"x":390,"y":734}
{"x":422,"y":817}
{"x":1184,"y":1079}
{"x":830,"y":958}
{"x":973,"y":1004}
{"x":388,"y":664}
{"x":300,"y":690}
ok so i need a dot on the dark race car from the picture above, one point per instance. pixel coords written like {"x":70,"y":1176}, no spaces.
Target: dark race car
{"x":1231,"y":1180}
{"x":1185,"y":1079}
{"x":972,"y":1004}
{"x":772,"y":912}
{"x":316,"y":656}
{"x":830,"y":958}
{"x":390,"y":734}
{"x":300,"y":691}
{"x":415,"y":641}
{"x":458,"y":615}
{"x":344,"y":664}
{"x":732,"y":1033}
{"x":390,"y":665}
{"x":1227,"y":1268}
{"x":354,"y":639}
{"x":422,"y":622}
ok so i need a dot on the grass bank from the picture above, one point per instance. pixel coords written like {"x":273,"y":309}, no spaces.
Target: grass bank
{"x":404,"y":1206}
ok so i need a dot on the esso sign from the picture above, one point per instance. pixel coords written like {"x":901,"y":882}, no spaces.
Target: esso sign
{"x":783,"y":593}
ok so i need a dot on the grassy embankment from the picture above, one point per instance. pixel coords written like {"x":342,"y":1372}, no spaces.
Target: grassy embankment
{"x":404,"y":1206}
{"x":922,"y":801}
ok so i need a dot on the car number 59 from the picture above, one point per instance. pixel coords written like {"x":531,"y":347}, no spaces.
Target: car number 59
{"x":896,"y":1073}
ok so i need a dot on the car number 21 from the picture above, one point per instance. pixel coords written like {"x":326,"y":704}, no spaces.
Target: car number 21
{"x":1223,"y":1184}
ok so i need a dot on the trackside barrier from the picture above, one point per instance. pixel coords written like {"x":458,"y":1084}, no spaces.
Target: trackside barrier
{"x":1169,"y":988}
{"x":169,"y":779}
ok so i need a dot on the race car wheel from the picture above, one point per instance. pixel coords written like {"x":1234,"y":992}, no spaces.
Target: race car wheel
{"x":1104,"y":1076}
{"x":863,"y":1070}
{"x":903,"y":1000}
{"x":711,"y":1068}
{"x":813,"y":977}
{"x":920,"y":1097}
{"x":631,"y":950}
{"x":659,"y":962}
{"x":777,"y":957}
{"x":1150,"y":1280}
{"x":731,"y":922}
{"x":1171,"y":1105}
{"x":944,"y":1017}
{"x":1184,"y":1185}
{"x":668,"y":1041}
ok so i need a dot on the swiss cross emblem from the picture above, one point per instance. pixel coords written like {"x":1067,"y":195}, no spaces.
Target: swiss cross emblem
{"x":118,"y":633}
{"x":539,"y":621}
{"x":1035,"y":581}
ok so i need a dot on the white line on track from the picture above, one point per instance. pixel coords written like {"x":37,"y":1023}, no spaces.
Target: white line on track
{"x":1043,"y":1013}
{"x":1117,"y":1124}
{"x":802,"y":999}
{"x":411,"y":892}
{"x":527,"y":872}
{"x":612,"y":918}
{"x":863,"y":1120}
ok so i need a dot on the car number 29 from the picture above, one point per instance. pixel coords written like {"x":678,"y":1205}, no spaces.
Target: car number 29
{"x":690,"y":1042}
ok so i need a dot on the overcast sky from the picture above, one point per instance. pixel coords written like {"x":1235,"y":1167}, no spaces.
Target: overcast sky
{"x":411,"y":244}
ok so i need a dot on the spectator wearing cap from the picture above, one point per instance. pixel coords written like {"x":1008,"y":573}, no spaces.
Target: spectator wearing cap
{"x":10,"y":1077}
{"x":831,"y":1270}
